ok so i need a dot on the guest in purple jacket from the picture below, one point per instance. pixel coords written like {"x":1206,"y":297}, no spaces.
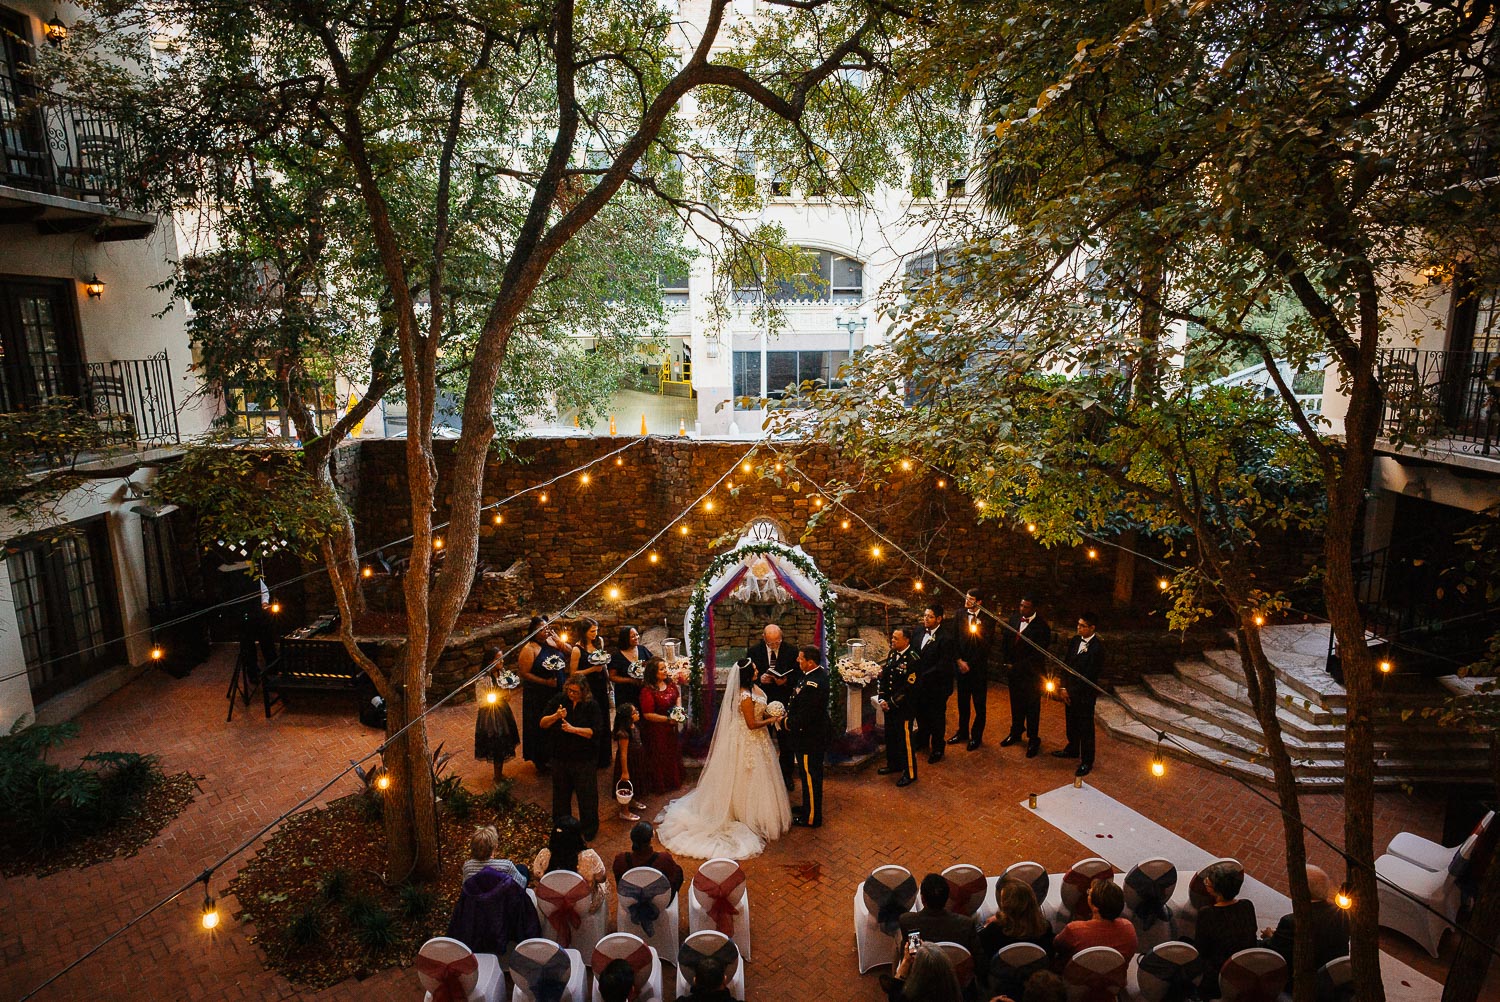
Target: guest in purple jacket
{"x":493,"y":913}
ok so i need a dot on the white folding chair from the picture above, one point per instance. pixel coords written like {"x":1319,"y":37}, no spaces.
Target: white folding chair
{"x":1075,"y":890}
{"x":647,"y":908}
{"x":1170,"y":968}
{"x":1253,"y":975}
{"x":710,"y":943}
{"x":562,"y":903}
{"x":1430,"y":873}
{"x":1034,"y":874}
{"x":545,"y":972}
{"x":1185,"y":914}
{"x":719,"y":899}
{"x":473,"y":977}
{"x":967,"y":888}
{"x":1012,"y":966}
{"x":1095,"y":975}
{"x":1336,"y":981}
{"x":641,"y":958}
{"x":879,"y":902}
{"x":962,"y":960}
{"x":1149,"y":886}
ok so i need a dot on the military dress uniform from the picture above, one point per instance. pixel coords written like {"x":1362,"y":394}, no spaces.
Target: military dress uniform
{"x":807,"y":722}
{"x":898,"y":689}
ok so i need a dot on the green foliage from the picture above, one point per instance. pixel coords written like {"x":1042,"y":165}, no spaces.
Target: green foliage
{"x":307,"y":928}
{"x":47,"y":805}
{"x":456,"y":798}
{"x":250,"y":492}
{"x":499,"y":798}
{"x":335,"y":885}
{"x":373,"y":926}
{"x":417,"y":901}
{"x":38,"y":446}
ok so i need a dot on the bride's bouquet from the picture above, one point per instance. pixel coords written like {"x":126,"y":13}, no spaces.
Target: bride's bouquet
{"x":776,"y":711}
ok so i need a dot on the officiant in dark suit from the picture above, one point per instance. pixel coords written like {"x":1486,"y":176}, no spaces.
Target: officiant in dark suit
{"x":775,"y":663}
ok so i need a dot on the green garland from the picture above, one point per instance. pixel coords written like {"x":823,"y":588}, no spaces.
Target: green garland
{"x":699,"y":605}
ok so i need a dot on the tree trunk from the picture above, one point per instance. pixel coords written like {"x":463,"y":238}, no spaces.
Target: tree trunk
{"x":1471,"y":961}
{"x":410,"y":811}
{"x":1125,"y":568}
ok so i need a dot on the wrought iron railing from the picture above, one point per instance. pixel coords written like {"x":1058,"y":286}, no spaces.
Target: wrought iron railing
{"x":61,"y":146}
{"x":133,"y":399}
{"x":1448,"y":398}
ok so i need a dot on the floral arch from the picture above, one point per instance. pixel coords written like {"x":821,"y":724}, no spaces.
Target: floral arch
{"x":761,"y":568}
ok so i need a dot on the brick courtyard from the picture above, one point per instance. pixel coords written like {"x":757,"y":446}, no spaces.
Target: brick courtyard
{"x":963,"y":810}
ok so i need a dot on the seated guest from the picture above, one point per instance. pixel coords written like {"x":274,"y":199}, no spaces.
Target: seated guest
{"x":1224,"y":928}
{"x":924,"y":974}
{"x":616,"y":981}
{"x":642,"y":853}
{"x":482,"y":848}
{"x":565,"y":850}
{"x":1042,"y":986}
{"x":935,"y":922}
{"x":493,"y":913}
{"x":708,"y":983}
{"x":1019,"y":920}
{"x":1330,"y":924}
{"x":1106,"y":928}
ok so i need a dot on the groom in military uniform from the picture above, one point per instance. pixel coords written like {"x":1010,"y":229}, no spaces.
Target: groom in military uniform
{"x":897,"y":693}
{"x":808,"y":725}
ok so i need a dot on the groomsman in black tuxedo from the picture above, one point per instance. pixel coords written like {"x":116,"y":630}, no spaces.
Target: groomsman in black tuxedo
{"x":1024,"y":645}
{"x":811,"y":731}
{"x":976,"y":635}
{"x":775,"y":663}
{"x":898,"y":696}
{"x":937,"y":659}
{"x":1085,"y":655}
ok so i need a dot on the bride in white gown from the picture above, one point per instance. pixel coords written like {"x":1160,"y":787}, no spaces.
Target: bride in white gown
{"x":739,"y":803}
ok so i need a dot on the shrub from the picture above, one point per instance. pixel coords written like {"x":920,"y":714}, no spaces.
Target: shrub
{"x":456,"y":798}
{"x":334,"y":886}
{"x":306,"y":928}
{"x":416,"y":901}
{"x":499,"y":799}
{"x":373,"y":926}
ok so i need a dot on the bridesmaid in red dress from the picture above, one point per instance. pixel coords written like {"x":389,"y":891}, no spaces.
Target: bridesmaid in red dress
{"x":661,"y":750}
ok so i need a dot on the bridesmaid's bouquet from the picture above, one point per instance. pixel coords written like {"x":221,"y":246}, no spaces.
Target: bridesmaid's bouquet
{"x":598,"y":657}
{"x":677,"y":715}
{"x":637,"y":670}
{"x":508,"y":680}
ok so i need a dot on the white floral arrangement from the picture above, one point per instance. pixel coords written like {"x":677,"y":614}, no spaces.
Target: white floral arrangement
{"x":861,"y":672}
{"x":598,"y":657}
{"x":508,"y":680}
{"x":680,"y":671}
{"x":637,"y":670}
{"x":775,"y":710}
{"x":677,"y":715}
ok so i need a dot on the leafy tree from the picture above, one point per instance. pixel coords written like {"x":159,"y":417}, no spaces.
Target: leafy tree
{"x":1207,"y":160}
{"x":477,"y":145}
{"x":40,"y":447}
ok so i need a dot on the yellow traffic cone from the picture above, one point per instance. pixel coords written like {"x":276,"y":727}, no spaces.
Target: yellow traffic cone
{"x":681,"y":426}
{"x":611,"y":424}
{"x":643,"y":425}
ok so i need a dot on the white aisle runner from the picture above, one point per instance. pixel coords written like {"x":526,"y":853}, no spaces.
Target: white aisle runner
{"x":1108,"y":829}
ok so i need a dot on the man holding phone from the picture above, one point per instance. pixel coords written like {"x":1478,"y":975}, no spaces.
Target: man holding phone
{"x":934,"y":923}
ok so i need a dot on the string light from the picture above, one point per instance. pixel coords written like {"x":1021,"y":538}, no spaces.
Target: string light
{"x":369,"y":572}
{"x":653,"y":557}
{"x":1163,"y":584}
{"x":980,"y":504}
{"x":745,"y":467}
{"x":730,"y":485}
{"x":543,"y":497}
{"x":157,"y":653}
{"x":619,"y":460}
{"x":1343,"y":899}
{"x":942,"y":483}
{"x":275,"y":608}
{"x":492,"y":697}
{"x":614,"y":594}
{"x":817,"y":502}
{"x":708,"y":505}
{"x":682,"y":529}
{"x":584,"y":479}
{"x":844,"y":524}
{"x":916,"y":585}
{"x":1386,"y":667}
{"x":1031,"y":527}
{"x":1093,"y":553}
{"x":499,"y":518}
{"x":906,"y":464}
{"x":1158,"y":763}
{"x":1259,"y":620}
{"x":875,"y":552}
{"x":437,"y":542}
{"x":1050,"y":684}
{"x":210,"y":917}
{"x":382,"y":780}
{"x":778,"y":467}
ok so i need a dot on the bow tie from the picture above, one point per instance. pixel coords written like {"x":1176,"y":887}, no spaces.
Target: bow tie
{"x":1083,"y":644}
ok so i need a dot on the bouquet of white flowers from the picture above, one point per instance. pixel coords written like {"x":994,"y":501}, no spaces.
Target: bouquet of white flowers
{"x":859,"y":672}
{"x":677,"y":715}
{"x":637,"y":670}
{"x":508,"y":680}
{"x":598,"y":657}
{"x":775,"y":710}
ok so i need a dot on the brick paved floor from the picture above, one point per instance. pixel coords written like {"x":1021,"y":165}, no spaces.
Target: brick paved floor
{"x":964,"y":809}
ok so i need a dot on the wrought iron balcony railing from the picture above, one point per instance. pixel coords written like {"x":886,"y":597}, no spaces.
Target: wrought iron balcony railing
{"x":60,"y":146}
{"x":1449,"y":399}
{"x":132,"y":400}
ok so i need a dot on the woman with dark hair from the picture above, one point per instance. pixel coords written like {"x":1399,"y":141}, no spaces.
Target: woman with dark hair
{"x":661,"y":747}
{"x":589,"y":661}
{"x":626,"y":663}
{"x":925,"y":974}
{"x":566,"y":850}
{"x":1019,"y":920}
{"x":542,"y":665}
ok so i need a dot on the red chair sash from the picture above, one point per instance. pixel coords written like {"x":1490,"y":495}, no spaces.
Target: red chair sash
{"x":1080,"y":882}
{"x":639,"y":960}
{"x":564,"y":916}
{"x":963,"y":894}
{"x":721,"y":909}
{"x":449,"y":976}
{"x":1098,"y":986}
{"x":1252,"y":986}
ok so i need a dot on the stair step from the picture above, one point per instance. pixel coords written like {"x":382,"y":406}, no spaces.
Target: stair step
{"x":1302,"y":680}
{"x":1122,"y":727}
{"x":1173,"y":701}
{"x":1298,"y":719}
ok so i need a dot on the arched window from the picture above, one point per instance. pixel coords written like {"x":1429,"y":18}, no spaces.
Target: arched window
{"x":824,"y":277}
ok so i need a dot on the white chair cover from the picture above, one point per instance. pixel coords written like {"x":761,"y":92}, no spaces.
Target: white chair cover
{"x":647,"y":908}
{"x":1170,"y":968}
{"x":1397,"y":911}
{"x":962,"y":960}
{"x":967,"y":888}
{"x":562,"y":904}
{"x":1034,"y":874}
{"x":642,"y":959}
{"x":1149,"y":886}
{"x":1075,"y":889}
{"x":710,"y":943}
{"x":1185,"y":915}
{"x":1095,"y":975}
{"x":879,"y":902}
{"x":1336,"y":981}
{"x":718,"y":886}
{"x":477,"y":976}
{"x":545,"y":972}
{"x":1015,"y":963}
{"x":1253,"y":975}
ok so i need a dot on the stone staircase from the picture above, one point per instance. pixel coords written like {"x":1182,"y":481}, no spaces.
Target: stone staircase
{"x":1204,"y":705}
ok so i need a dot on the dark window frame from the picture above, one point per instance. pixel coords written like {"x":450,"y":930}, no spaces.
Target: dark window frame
{"x":21,"y":384}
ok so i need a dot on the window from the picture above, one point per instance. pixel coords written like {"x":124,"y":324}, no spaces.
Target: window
{"x":63,"y":590}
{"x":166,"y":584}
{"x":786,"y":372}
{"x":958,"y":187}
{"x":829,"y":277}
{"x":39,"y":345}
{"x":746,"y":375}
{"x":742,"y":181}
{"x":260,"y":415}
{"x":921,"y":185}
{"x":674,"y":286}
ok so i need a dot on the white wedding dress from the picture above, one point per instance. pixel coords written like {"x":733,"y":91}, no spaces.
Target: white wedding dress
{"x":739,"y":803}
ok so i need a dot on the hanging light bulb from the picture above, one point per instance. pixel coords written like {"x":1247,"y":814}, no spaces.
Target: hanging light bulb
{"x":1031,"y":527}
{"x":1343,"y":899}
{"x":368,"y":572}
{"x":778,"y":467}
{"x":1050,"y":684}
{"x":875,"y":552}
{"x":1093,"y":553}
{"x":619,"y":460}
{"x":844,"y":524}
{"x":682,"y":529}
{"x":492,"y":697}
{"x":614,"y":594}
{"x":1163,"y":584}
{"x":499,"y":519}
{"x":157,"y":653}
{"x":906,"y":464}
{"x":653,"y":557}
{"x":980,"y":504}
{"x":916,"y":585}
{"x":437,"y":542}
{"x":1386,"y":667}
{"x":210,"y":918}
{"x":817,"y":502}
{"x":275,"y":608}
{"x":708,"y":505}
{"x":745,"y":467}
{"x":1258,"y":620}
{"x":584,"y":479}
{"x":942,"y":483}
{"x":543,"y":497}
{"x":1158,"y":764}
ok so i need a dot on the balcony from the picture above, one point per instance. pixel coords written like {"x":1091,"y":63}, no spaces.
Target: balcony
{"x":131,"y":400}
{"x":67,"y":167}
{"x":1441,"y":401}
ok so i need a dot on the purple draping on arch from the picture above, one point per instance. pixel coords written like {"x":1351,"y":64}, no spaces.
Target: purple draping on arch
{"x":710,"y":658}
